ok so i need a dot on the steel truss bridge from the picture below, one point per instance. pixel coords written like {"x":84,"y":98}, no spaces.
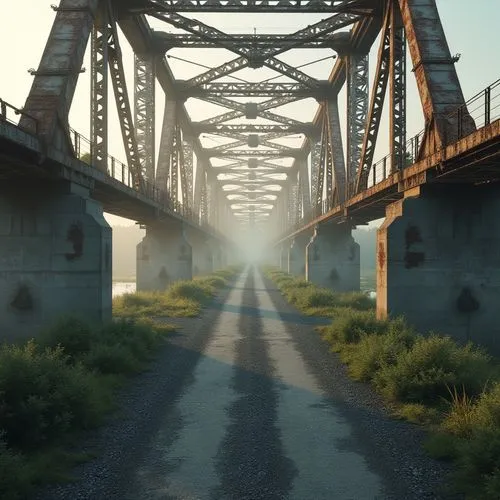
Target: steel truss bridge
{"x":251,"y":177}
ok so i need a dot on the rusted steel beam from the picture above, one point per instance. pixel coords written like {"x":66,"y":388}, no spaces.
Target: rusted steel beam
{"x":435,"y":74}
{"x":53,"y":87}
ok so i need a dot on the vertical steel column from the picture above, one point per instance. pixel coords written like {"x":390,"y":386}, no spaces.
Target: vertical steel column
{"x":315,"y":172}
{"x":144,"y":108}
{"x":99,"y":91}
{"x":166,"y":143}
{"x":397,"y":88}
{"x":337,"y":153}
{"x":174,"y":168}
{"x":123,"y":108}
{"x":304,"y":187}
{"x":203,"y":198}
{"x":357,"y":110}
{"x":187,"y":166}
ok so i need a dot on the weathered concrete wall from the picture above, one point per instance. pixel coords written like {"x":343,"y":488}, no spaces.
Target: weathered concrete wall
{"x":202,"y":253}
{"x":438,"y":262}
{"x":297,"y":255}
{"x":163,"y":256}
{"x":55,"y":258}
{"x":332,"y":258}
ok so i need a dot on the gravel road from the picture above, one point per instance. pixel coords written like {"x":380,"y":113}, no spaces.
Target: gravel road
{"x":247,"y":403}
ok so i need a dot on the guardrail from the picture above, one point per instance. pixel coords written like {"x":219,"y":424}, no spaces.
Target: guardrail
{"x":114,"y":169}
{"x":479,"y":111}
{"x":7,"y":112}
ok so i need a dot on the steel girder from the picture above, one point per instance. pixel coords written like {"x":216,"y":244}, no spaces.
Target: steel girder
{"x":272,"y":6}
{"x":249,"y":56}
{"x":357,"y":110}
{"x":376,"y":106}
{"x":187,"y":166}
{"x":239,"y":110}
{"x":251,"y":153}
{"x":144,"y":100}
{"x":336,"y":152}
{"x":263,"y":42}
{"x":99,"y":90}
{"x":54,"y":84}
{"x":397,"y":96}
{"x":166,"y":144}
{"x":315,"y":173}
{"x":434,"y":69}
{"x":239,"y":89}
{"x":227,"y":128}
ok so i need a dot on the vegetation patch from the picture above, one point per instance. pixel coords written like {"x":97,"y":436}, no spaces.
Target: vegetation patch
{"x":63,"y":383}
{"x":430,"y":380}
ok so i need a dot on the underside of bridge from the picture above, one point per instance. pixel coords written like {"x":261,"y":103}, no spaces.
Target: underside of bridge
{"x":268,"y":137}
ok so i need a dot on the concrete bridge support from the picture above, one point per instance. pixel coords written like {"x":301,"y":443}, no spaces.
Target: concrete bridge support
{"x":297,"y":255}
{"x":332,"y":258}
{"x":283,"y":257}
{"x":438,"y":262}
{"x":56,"y":249}
{"x":163,"y":256}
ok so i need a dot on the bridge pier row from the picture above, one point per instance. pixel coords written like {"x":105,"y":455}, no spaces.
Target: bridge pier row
{"x":163,"y":256}
{"x":283,"y":257}
{"x":202,"y":253}
{"x":297,"y":255}
{"x":332,"y":258}
{"x":438,"y":262}
{"x":55,"y":257}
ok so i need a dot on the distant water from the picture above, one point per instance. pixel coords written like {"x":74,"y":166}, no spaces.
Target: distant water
{"x":121,"y":287}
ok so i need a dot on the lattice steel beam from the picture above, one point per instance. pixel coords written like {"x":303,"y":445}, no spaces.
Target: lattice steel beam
{"x":336,"y":151}
{"x":266,"y":89}
{"x":251,"y":153}
{"x":144,"y":98}
{"x":122,"y":103}
{"x":315,"y":172}
{"x":274,"y":6}
{"x":304,"y":128}
{"x":99,"y":90}
{"x":187,"y":166}
{"x":357,"y":110}
{"x":376,"y":106}
{"x":397,"y":97}
{"x":166,"y":144}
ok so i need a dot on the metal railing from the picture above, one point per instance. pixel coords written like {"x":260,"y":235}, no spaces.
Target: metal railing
{"x":118,"y":171}
{"x":478,"y":112}
{"x":11,"y":114}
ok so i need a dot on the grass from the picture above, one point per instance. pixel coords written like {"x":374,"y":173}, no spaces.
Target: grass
{"x":55,"y":387}
{"x":429,"y":380}
{"x":180,"y":299}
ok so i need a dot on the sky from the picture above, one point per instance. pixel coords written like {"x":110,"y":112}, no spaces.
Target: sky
{"x":471,"y":29}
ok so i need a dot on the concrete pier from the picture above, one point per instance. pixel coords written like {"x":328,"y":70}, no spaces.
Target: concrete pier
{"x":438,"y":262}
{"x":163,"y":256}
{"x":56,"y":250}
{"x":332,"y":258}
{"x":297,"y":255}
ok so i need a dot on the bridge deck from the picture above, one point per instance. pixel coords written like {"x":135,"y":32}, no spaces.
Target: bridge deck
{"x":475,"y":158}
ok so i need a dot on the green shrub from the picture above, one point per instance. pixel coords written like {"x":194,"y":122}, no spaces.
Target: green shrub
{"x":42,"y":396}
{"x":372,"y":352}
{"x":478,"y":465}
{"x":424,"y":372}
{"x":212,"y":281}
{"x":193,"y":290}
{"x":315,"y":297}
{"x":15,"y":477}
{"x":442,"y":446}
{"x":75,"y":335}
{"x":355,"y":300}
{"x":350,"y":325}
{"x":487,"y":408}
{"x":112,"y":359}
{"x":418,"y":414}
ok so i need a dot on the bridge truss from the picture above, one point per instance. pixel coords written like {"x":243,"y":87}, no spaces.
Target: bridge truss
{"x":250,"y":175}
